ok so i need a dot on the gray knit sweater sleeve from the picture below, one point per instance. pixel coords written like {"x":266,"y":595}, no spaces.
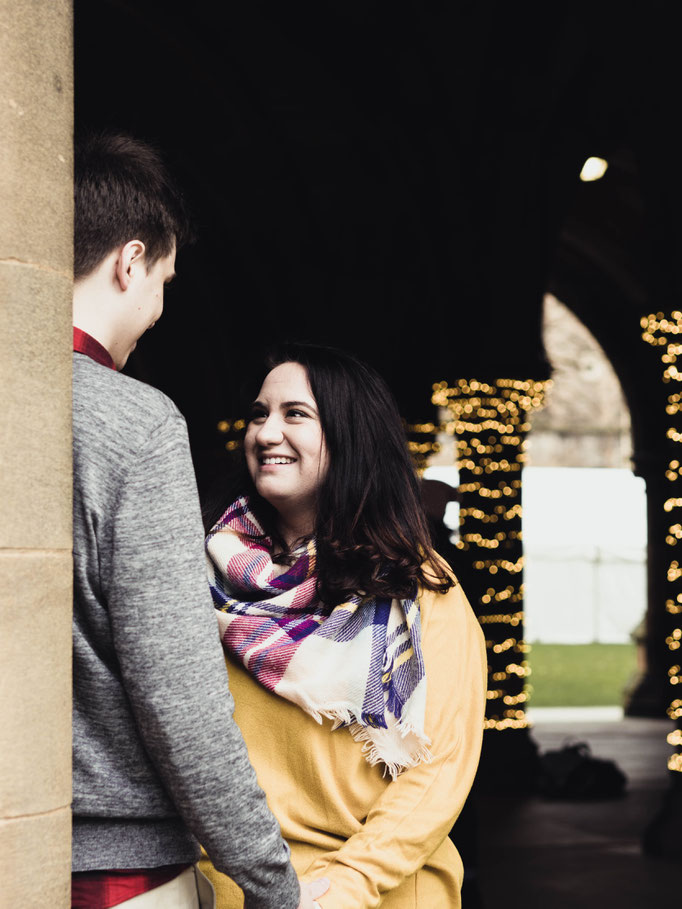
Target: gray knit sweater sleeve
{"x":165,"y":637}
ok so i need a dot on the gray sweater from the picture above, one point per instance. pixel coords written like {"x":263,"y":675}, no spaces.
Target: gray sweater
{"x":158,"y":761}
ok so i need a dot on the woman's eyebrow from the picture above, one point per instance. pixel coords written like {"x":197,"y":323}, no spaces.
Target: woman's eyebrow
{"x":285,"y":404}
{"x":309,"y":405}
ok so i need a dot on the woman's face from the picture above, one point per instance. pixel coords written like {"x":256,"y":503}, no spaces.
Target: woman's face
{"x":285,"y":449}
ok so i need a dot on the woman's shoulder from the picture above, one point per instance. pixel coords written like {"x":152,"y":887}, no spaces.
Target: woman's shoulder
{"x":435,"y":568}
{"x":451,"y":606}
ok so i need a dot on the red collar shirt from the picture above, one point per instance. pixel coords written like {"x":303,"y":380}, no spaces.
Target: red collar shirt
{"x":85,"y":344}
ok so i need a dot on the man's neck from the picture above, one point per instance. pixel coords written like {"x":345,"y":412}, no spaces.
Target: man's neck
{"x":92,"y":313}
{"x":93,"y":331}
{"x":91,"y":309}
{"x":83,"y":343}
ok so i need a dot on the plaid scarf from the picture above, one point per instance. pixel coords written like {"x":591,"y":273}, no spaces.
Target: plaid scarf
{"x":360,"y":663}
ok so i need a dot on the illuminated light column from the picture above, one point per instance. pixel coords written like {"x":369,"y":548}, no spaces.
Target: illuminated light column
{"x":665,"y":333}
{"x":490,"y":422}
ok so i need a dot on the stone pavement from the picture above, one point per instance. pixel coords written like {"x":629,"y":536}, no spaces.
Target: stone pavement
{"x":539,"y":854}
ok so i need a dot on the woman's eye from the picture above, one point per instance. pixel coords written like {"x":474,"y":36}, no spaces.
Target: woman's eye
{"x":296,"y":413}
{"x":257,"y":416}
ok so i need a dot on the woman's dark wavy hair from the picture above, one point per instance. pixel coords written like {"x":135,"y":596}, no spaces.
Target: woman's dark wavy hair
{"x":371,"y":533}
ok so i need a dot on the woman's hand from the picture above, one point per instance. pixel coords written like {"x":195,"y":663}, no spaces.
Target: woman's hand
{"x":310,"y":892}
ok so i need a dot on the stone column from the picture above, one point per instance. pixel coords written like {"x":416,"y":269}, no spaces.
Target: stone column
{"x":490,"y":423}
{"x":36,"y":124}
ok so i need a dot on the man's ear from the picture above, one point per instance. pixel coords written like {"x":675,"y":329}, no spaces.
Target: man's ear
{"x":130,"y":260}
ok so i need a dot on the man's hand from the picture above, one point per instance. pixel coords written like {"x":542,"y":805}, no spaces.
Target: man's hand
{"x":311,"y":891}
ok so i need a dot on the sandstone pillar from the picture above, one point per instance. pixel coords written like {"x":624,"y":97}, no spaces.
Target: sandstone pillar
{"x":36,"y":124}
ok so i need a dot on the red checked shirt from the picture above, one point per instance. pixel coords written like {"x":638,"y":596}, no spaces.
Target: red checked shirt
{"x":104,"y":889}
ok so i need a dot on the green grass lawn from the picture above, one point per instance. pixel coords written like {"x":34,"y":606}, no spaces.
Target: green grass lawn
{"x":579,"y":675}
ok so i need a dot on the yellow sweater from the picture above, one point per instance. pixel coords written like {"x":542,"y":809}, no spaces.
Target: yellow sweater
{"x":380,"y":842}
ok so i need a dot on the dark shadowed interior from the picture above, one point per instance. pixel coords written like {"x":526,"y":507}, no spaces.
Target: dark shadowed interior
{"x":402,"y":181}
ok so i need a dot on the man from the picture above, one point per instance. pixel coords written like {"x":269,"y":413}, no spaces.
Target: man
{"x":158,"y":760}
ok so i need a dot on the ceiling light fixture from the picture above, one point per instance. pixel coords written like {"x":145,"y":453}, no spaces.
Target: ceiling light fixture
{"x":593,"y":169}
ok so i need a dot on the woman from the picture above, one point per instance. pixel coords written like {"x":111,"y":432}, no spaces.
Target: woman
{"x":335,"y":612}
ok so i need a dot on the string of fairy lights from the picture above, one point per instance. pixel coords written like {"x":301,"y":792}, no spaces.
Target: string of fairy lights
{"x":234,"y":430}
{"x":664,"y":332}
{"x":489,"y":421}
{"x":422,"y":441}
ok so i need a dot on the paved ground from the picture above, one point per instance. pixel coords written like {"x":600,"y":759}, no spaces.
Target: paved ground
{"x":537,"y":854}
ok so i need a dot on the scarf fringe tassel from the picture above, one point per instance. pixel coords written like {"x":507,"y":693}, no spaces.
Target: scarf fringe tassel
{"x":344,"y":716}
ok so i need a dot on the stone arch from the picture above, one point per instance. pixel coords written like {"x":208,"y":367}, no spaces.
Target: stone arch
{"x":599,"y":282}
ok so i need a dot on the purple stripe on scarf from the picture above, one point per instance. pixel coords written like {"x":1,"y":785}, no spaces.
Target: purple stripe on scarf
{"x":294,"y":576}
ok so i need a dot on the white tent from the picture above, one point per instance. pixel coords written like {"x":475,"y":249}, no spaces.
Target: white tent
{"x":584,"y":532}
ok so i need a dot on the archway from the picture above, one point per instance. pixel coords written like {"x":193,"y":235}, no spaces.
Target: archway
{"x":584,"y":525}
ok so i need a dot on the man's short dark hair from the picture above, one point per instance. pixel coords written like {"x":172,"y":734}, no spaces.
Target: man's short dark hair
{"x":123,"y":192}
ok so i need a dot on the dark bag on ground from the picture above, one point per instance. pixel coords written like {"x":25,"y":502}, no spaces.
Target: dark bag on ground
{"x":572,"y":773}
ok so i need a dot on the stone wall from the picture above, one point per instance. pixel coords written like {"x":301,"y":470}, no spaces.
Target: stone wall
{"x":36,"y":125}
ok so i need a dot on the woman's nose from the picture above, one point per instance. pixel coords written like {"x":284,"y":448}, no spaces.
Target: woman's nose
{"x":270,"y":431}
